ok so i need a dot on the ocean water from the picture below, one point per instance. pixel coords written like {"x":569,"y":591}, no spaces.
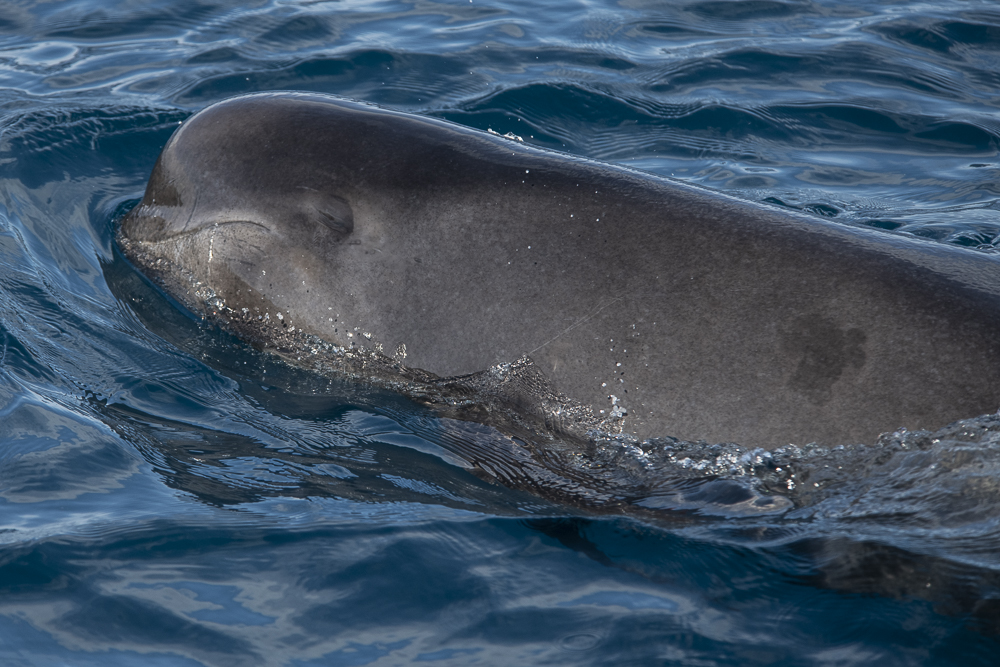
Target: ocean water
{"x":171,"y":496}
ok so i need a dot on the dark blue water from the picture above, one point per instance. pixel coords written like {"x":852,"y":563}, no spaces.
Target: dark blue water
{"x":171,"y":496}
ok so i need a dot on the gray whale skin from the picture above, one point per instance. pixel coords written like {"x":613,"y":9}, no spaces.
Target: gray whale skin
{"x":695,"y":314}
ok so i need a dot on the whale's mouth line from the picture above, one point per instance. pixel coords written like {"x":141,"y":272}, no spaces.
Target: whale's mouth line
{"x":215,"y":226}
{"x":151,"y":213}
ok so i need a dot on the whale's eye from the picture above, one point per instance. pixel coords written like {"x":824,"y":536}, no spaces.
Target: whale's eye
{"x":338,"y":220}
{"x":329,"y":211}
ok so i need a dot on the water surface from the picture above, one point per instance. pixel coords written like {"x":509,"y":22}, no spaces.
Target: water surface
{"x":171,"y":496}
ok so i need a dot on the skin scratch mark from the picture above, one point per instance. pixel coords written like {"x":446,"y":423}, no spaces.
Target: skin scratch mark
{"x":576,"y":324}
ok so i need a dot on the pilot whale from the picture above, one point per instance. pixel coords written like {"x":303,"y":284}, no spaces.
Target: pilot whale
{"x":658,"y":307}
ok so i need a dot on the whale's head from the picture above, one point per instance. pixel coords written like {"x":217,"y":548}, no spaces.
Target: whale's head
{"x":260,"y":169}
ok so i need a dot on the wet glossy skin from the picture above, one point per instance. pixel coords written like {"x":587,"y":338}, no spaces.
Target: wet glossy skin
{"x":704,"y":316}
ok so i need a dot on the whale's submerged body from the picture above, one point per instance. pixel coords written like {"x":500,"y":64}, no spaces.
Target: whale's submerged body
{"x":653,"y":306}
